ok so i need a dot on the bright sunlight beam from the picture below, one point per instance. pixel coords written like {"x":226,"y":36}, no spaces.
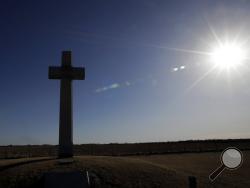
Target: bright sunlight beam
{"x":227,"y":56}
{"x":224,"y":55}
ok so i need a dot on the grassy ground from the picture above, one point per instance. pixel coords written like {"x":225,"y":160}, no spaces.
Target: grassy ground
{"x":170,"y":170}
{"x":201,"y":165}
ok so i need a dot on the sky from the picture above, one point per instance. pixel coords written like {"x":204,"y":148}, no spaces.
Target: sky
{"x":148,"y":75}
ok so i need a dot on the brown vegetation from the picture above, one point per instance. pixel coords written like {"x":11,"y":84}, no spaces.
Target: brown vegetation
{"x":126,"y":149}
{"x":169,"y":170}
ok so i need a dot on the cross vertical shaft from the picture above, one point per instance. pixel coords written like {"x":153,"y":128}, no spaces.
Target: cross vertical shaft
{"x":65,"y":121}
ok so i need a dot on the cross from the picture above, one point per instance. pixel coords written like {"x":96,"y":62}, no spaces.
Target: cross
{"x":66,"y":73}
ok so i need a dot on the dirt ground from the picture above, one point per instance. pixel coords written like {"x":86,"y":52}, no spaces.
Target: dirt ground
{"x":171,"y":170}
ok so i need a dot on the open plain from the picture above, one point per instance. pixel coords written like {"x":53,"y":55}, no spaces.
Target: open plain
{"x":169,"y":170}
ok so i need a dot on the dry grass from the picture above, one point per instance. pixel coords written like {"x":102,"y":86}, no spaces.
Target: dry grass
{"x":169,"y":170}
{"x":201,"y":165}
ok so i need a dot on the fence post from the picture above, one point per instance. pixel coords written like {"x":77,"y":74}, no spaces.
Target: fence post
{"x":192,"y":182}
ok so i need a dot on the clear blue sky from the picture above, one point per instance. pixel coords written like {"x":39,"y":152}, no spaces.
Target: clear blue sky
{"x":138,"y":87}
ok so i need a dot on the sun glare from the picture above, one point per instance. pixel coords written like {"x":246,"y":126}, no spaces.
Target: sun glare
{"x":227,"y":56}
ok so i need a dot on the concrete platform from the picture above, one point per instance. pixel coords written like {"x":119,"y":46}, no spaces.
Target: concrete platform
{"x":72,"y":179}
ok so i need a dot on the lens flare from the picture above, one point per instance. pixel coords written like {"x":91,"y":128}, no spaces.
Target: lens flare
{"x":227,"y":56}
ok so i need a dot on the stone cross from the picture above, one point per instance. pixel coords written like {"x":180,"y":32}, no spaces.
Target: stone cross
{"x":66,"y":73}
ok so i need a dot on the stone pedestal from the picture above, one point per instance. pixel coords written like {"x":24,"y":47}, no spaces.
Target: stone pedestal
{"x":72,"y":179}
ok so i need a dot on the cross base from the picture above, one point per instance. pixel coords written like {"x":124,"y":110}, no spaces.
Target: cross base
{"x":62,"y":156}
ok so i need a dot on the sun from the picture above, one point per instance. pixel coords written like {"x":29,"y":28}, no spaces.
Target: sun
{"x":227,"y":56}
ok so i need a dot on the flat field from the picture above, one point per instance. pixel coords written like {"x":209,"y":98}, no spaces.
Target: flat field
{"x":169,"y":170}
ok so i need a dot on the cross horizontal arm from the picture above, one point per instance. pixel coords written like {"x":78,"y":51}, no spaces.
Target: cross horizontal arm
{"x":72,"y":73}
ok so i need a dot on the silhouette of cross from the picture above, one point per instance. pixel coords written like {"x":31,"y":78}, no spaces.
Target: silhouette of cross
{"x":66,"y":73}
